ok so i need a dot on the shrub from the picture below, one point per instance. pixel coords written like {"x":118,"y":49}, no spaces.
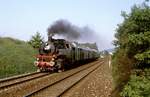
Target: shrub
{"x":138,"y":86}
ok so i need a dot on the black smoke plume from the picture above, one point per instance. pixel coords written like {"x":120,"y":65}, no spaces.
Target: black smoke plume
{"x":64,"y":28}
{"x":73,"y":33}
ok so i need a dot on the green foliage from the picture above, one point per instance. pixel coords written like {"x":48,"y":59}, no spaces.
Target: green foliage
{"x":138,"y":86}
{"x":141,"y":42}
{"x":133,"y":50}
{"x":145,"y":56}
{"x":121,"y":69}
{"x":36,"y":40}
{"x":16,"y":57}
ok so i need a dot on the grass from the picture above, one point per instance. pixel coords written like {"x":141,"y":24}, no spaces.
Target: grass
{"x":16,"y":57}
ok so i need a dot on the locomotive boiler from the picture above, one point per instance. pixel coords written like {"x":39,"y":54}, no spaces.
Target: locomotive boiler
{"x":57,"y":54}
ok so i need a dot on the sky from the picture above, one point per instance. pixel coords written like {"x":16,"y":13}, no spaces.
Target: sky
{"x":23,"y":18}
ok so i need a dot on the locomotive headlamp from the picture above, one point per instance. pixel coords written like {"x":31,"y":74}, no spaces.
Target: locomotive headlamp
{"x":47,"y":47}
{"x":37,"y":59}
{"x":52,"y":63}
{"x":53,"y":59}
{"x":36,"y":63}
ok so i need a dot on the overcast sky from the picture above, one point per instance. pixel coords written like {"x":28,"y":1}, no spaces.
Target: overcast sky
{"x":22,"y":18}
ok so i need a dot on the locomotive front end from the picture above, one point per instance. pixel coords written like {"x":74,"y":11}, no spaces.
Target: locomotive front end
{"x":45,"y":61}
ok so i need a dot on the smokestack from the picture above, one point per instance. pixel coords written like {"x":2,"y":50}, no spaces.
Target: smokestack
{"x":49,"y":38}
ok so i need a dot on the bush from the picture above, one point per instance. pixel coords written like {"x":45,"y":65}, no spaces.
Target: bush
{"x":138,"y":86}
{"x":122,"y":66}
{"x":133,"y":51}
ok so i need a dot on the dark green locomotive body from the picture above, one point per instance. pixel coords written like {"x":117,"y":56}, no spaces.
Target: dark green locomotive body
{"x":58,"y":54}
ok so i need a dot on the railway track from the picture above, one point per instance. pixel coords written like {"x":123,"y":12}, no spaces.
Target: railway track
{"x":38,"y":83}
{"x":5,"y":83}
{"x":59,"y":87}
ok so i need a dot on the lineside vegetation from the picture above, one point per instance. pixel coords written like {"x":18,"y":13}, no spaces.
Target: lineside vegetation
{"x":131,"y":61}
{"x":16,"y":57}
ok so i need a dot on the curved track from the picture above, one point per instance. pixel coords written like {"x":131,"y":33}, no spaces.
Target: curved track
{"x":38,"y":84}
{"x":59,"y":87}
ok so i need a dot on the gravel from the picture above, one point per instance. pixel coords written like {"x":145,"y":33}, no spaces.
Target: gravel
{"x":22,"y":89}
{"x":97,"y":84}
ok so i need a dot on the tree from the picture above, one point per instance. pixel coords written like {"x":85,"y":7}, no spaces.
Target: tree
{"x":132,"y":43}
{"x":134,"y":34}
{"x":36,"y":40}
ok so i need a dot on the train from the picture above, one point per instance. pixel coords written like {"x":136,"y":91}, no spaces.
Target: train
{"x":58,"y":54}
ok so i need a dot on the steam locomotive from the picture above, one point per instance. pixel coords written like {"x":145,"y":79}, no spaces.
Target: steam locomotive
{"x":57,"y":54}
